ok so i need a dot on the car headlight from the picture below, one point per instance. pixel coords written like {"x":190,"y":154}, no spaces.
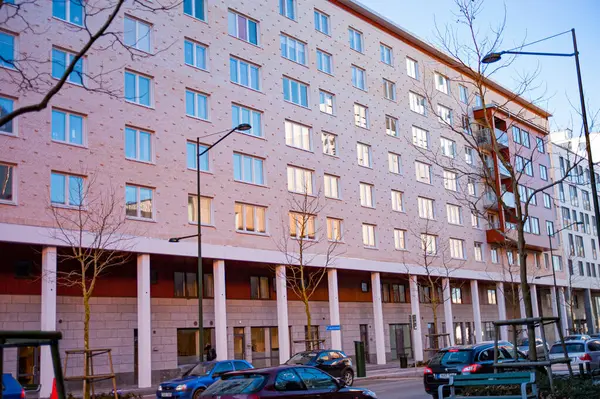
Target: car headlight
{"x":160,"y":387}
{"x":369,"y":393}
{"x":181,"y":387}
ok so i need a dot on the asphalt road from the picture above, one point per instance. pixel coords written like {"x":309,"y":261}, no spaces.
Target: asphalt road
{"x":399,"y":388}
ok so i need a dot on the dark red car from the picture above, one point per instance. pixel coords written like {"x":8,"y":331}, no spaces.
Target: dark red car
{"x":283,"y":382}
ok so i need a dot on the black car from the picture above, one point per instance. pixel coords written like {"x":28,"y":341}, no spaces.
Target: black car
{"x":463,"y":359}
{"x":333,"y":362}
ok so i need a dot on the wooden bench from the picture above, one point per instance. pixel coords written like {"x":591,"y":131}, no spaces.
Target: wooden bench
{"x":523,"y":379}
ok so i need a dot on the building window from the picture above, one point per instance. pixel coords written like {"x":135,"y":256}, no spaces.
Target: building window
{"x":448,"y":147}
{"x":391,"y":126}
{"x":364,"y":154}
{"x":137,"y":34}
{"x":287,"y":8}
{"x":516,"y":135}
{"x":394,"y":163}
{"x":474,"y":219}
{"x":543,"y":172}
{"x":478,"y":101}
{"x":298,"y":136}
{"x":540,"y":145}
{"x":138,"y":89}
{"x":324,"y":63}
{"x":292,"y":49}
{"x":385,"y":54}
{"x":70,"y":11}
{"x":334,"y":229}
{"x":585,"y":196}
{"x":192,"y":156}
{"x":525,"y":138}
{"x":322,"y":22}
{"x":420,"y":137}
{"x":397,"y":201}
{"x":535,"y":225}
{"x":250,"y":218}
{"x":302,"y":226}
{"x":456,"y":295}
{"x":389,"y":90}
{"x":423,"y":172}
{"x":478,"y":249}
{"x":547,"y":201}
{"x":464,"y":94}
{"x":366,"y":195}
{"x":557,"y":263}
{"x":259,"y":287}
{"x":469,"y":155}
{"x":138,"y":202}
{"x":195,"y":54}
{"x":241,"y":114}
{"x":66,"y":189}
{"x":332,"y":186}
{"x":355,"y":38}
{"x":185,"y":285}
{"x":450,"y":180}
{"x":300,"y":180}
{"x":399,"y":239}
{"x":244,"y":73}
{"x":295,"y":92}
{"x":471,"y":187}
{"x":412,"y":68}
{"x":242,"y":27}
{"x":359,"y":77}
{"x":491,"y":296}
{"x":67,"y":127}
{"x":417,"y":103}
{"x":329,"y":144}
{"x":326,"y":101}
{"x":7,"y":189}
{"x":454,"y":214}
{"x":442,"y":83}
{"x":368,"y":233}
{"x":444,"y":114}
{"x":205,"y":210}
{"x":248,"y":169}
{"x":426,"y":208}
{"x":138,"y":145}
{"x":361,"y":116}
{"x":60,"y":62}
{"x":457,"y":248}
{"x":494,"y":255}
{"x":429,"y":244}
{"x":196,"y":105}
{"x":195,"y":8}
{"x":6,"y":107}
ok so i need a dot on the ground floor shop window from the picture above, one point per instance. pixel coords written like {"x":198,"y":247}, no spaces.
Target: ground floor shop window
{"x":400,"y":340}
{"x":188,"y":344}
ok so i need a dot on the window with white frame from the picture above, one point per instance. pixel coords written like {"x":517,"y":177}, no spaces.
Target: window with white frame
{"x":332,"y":186}
{"x":469,"y":159}
{"x":139,"y":202}
{"x":464,"y":94}
{"x":334,"y":229}
{"x":474,"y":219}
{"x":450,"y":180}
{"x":61,"y":59}
{"x":66,"y":189}
{"x":70,"y":11}
{"x":547,"y":201}
{"x":457,"y":248}
{"x":478,"y":250}
{"x":324,"y":62}
{"x":138,"y":144}
{"x":356,"y":40}
{"x":442,"y":83}
{"x":7,"y":189}
{"x":394,"y":163}
{"x":385,"y":53}
{"x":322,"y":22}
{"x":399,"y":239}
{"x":471,"y":187}
{"x":138,"y":88}
{"x":531,"y":194}
{"x":302,"y":226}
{"x":298,"y":136}
{"x":242,"y":27}
{"x":444,"y":114}
{"x":195,"y":8}
{"x":329,"y":143}
{"x":456,"y":295}
{"x":429,"y":244}
{"x":244,"y":73}
{"x":366,"y":195}
{"x":417,"y":103}
{"x":426,"y":208}
{"x":250,"y":218}
{"x":391,"y":126}
{"x":389,"y":90}
{"x":205,"y":211}
{"x":540,"y":145}
{"x":196,"y":104}
{"x":525,"y":138}
{"x":300,"y":180}
{"x":241,"y":114}
{"x":68,"y":127}
{"x":6,"y":107}
{"x":397,"y":201}
{"x":494,"y":255}
{"x":412,"y":68}
{"x":543,"y":172}
{"x":423,"y":172}
{"x":549,"y":227}
{"x":368,"y":233}
{"x":195,"y":54}
{"x":491,"y":296}
{"x":478,"y":101}
{"x":448,"y":147}
{"x":516,"y":135}
{"x":420,"y":137}
{"x":192,"y":156}
{"x":137,"y":34}
{"x":359,"y":77}
{"x":287,"y":8}
{"x":363,"y":152}
{"x":326,"y":102}
{"x":454,"y":214}
{"x":361,"y":116}
{"x":292,"y":49}
{"x":295,"y":92}
{"x":248,"y":169}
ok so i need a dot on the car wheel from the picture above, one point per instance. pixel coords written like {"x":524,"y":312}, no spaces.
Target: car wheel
{"x":348,"y":377}
{"x":198,"y":392}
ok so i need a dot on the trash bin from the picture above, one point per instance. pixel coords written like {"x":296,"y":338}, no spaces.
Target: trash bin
{"x":403,"y":361}
{"x":359,"y":351}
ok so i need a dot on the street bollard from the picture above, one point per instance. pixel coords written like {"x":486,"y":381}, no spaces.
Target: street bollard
{"x":359,"y":351}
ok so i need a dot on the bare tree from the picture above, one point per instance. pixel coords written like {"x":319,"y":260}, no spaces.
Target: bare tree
{"x":96,"y":23}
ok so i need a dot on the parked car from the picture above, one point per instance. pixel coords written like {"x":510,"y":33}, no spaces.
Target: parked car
{"x":198,"y":378}
{"x":11,"y":389}
{"x":465,"y":359}
{"x":333,"y":362}
{"x":581,"y":351}
{"x":595,"y":336}
{"x":539,"y":347}
{"x":577,"y":337}
{"x":284,"y":382}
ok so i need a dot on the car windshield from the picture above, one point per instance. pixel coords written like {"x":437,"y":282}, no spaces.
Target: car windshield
{"x":525,"y":342}
{"x":200,"y":370}
{"x":302,"y":358}
{"x":237,"y":384}
{"x":571,"y":348}
{"x":450,"y":357}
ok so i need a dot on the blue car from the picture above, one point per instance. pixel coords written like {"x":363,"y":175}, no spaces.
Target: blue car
{"x":198,"y":378}
{"x":11,"y":389}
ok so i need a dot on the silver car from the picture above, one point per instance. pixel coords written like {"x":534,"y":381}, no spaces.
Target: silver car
{"x":539,"y":347}
{"x":580,"y":352}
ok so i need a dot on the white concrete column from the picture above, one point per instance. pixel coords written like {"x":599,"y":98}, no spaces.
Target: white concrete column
{"x":564,"y":317}
{"x":48,"y":317}
{"x":378,"y":317}
{"x":220,"y":309}
{"x":448,"y":310}
{"x":334,"y":308}
{"x":416,"y":311}
{"x":534,"y":303}
{"x":522,"y":302}
{"x":283,"y":330}
{"x":144,"y":321}
{"x":476,"y":311}
{"x":554,"y":310}
{"x":501,"y":301}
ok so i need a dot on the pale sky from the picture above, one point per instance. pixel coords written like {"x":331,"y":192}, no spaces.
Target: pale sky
{"x":527,"y":21}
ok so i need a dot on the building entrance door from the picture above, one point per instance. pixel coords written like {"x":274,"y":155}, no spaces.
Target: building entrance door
{"x":364,"y":337}
{"x":239,"y":343}
{"x":28,"y":367}
{"x":400,"y":340}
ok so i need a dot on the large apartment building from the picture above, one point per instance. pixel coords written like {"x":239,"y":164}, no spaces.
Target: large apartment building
{"x":336,"y":96}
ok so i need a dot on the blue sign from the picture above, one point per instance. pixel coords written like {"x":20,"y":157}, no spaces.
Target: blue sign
{"x":333,"y":328}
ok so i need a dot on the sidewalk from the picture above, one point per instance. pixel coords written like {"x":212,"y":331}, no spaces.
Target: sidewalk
{"x":390,"y":370}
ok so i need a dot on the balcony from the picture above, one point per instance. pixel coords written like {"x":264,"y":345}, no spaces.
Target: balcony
{"x":483,"y":138}
{"x":491,"y":202}
{"x":508,"y":236}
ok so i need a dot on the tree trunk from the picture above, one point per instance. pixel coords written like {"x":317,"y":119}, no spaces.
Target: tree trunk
{"x":86,"y":344}
{"x":526,"y":292}
{"x":309,"y":335}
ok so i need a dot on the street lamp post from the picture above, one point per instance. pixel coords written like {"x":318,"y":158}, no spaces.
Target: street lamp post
{"x":242,"y":127}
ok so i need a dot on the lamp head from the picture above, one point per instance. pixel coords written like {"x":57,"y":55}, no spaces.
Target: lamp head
{"x":244,"y":127}
{"x":174,"y":239}
{"x":491,"y":58}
